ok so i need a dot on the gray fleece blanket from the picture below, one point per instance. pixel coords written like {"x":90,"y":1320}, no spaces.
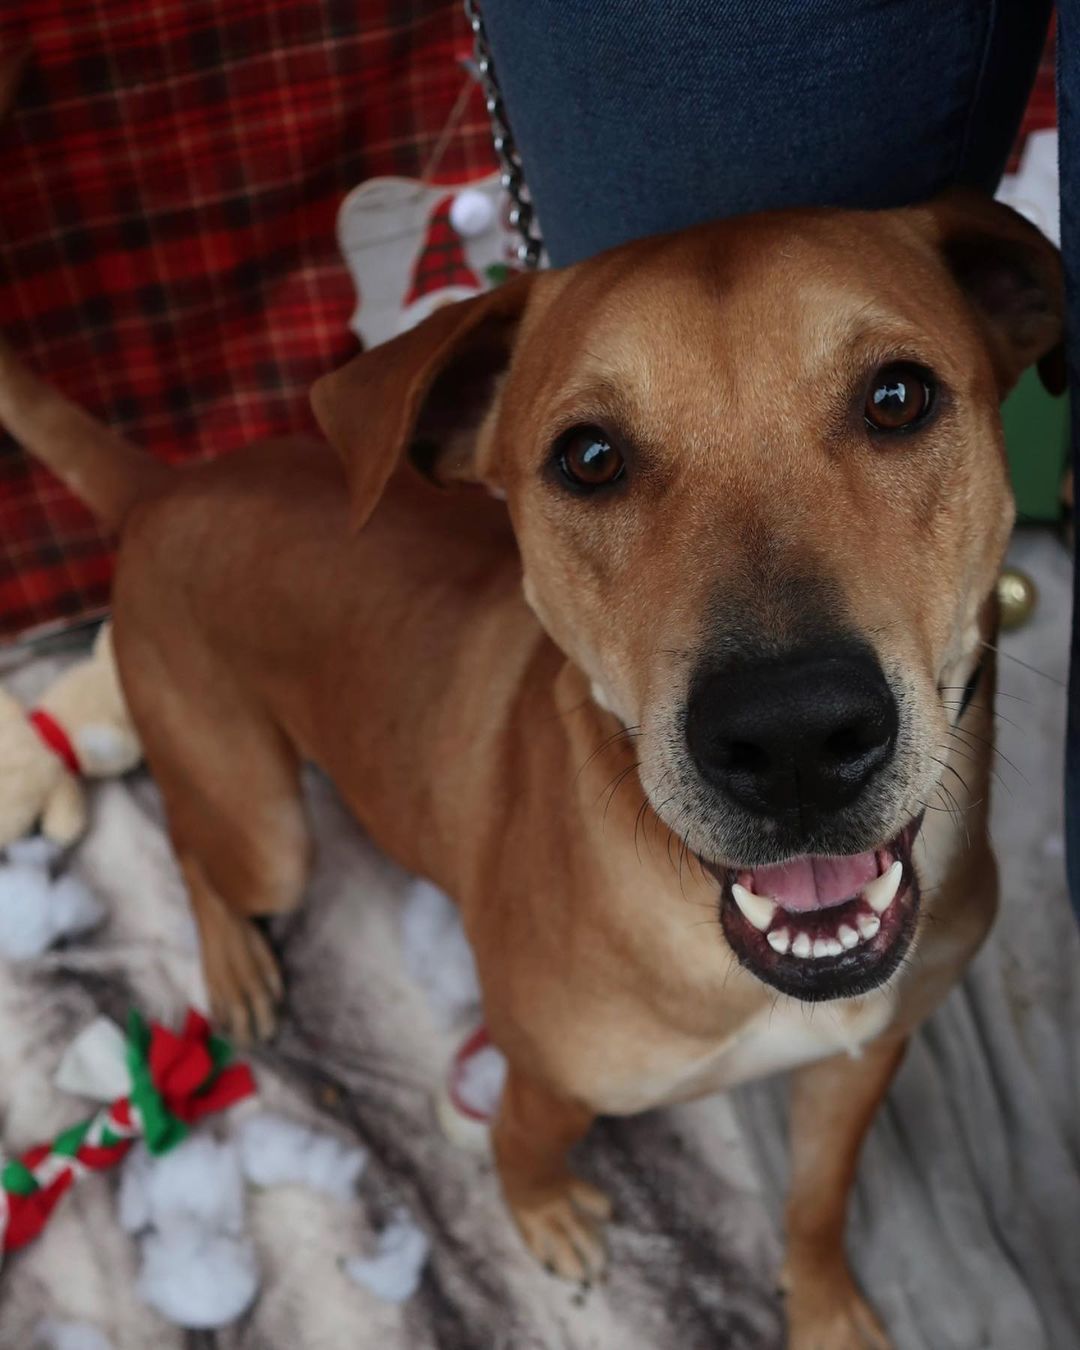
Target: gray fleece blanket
{"x":965,"y":1225}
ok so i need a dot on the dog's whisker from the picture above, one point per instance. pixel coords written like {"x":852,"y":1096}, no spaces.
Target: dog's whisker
{"x":613,"y":788}
{"x":990,"y":646}
{"x":947,"y":703}
{"x":998,"y":693}
{"x":630,"y":733}
{"x":949,"y":769}
{"x":960,"y":815}
{"x":994,"y":750}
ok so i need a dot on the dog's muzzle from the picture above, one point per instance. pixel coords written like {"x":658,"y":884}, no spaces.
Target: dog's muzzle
{"x":823,"y":928}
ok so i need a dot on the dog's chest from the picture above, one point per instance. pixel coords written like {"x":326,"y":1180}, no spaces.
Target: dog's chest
{"x":782,"y":1036}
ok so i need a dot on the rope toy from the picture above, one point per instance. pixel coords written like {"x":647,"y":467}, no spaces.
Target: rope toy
{"x":158,"y":1083}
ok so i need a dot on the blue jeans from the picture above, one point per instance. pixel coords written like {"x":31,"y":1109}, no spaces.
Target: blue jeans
{"x":1069,"y":154}
{"x":637,"y":116}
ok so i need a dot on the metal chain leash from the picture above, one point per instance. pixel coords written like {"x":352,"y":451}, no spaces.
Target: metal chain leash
{"x":512,"y":177}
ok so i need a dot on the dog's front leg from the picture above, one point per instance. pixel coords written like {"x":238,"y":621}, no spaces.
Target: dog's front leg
{"x":832,"y":1106}
{"x":560,"y":1216}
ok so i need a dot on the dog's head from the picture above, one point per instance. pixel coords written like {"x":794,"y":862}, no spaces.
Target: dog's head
{"x":757,"y":479}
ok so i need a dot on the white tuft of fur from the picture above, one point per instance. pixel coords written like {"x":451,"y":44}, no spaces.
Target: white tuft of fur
{"x":393,"y":1273}
{"x":195,"y":1277}
{"x":437,"y":954}
{"x":275,"y":1151}
{"x":36,"y":911}
{"x":52,"y":1334}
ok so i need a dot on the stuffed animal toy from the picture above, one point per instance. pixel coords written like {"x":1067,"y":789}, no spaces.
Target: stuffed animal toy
{"x":79,"y":729}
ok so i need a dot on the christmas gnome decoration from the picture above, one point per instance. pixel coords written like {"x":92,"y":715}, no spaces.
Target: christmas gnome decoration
{"x":412,"y":247}
{"x":79,"y":729}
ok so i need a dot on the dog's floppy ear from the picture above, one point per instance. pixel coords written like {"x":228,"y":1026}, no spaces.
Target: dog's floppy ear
{"x":425,"y":392}
{"x":1012,"y":276}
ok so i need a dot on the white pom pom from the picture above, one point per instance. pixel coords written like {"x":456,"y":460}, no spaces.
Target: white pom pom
{"x":133,"y":1197}
{"x":275,"y":1151}
{"x":51,"y":1334}
{"x":197,"y":1278}
{"x":437,"y":953}
{"x":35,"y":850}
{"x":35,"y":911}
{"x":199,"y":1179}
{"x":472,"y":213}
{"x":75,"y":908}
{"x":26,"y":919}
{"x":393,"y":1273}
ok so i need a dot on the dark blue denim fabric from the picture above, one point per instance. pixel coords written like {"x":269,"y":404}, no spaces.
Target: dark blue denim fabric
{"x":1069,"y":154}
{"x":636,"y":116}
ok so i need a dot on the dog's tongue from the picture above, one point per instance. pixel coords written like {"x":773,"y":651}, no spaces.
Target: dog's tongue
{"x":815,"y":883}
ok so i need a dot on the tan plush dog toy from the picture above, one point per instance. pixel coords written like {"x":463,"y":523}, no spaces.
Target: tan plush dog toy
{"x":78,"y":729}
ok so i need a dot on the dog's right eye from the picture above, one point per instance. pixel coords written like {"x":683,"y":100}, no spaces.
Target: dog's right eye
{"x":900,"y":396}
{"x":587,"y":460}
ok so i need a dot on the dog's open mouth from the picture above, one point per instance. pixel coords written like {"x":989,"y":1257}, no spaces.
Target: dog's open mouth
{"x":821,"y":928}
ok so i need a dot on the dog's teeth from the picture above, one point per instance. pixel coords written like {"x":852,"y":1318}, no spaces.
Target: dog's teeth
{"x":755,"y":908}
{"x":821,"y":947}
{"x":868,"y":925}
{"x":834,"y":947}
{"x":879,"y":894}
{"x":848,"y":937}
{"x":801,"y":945}
{"x":778,"y":940}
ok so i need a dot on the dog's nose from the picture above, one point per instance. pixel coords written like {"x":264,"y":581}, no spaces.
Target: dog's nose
{"x":793,"y":736}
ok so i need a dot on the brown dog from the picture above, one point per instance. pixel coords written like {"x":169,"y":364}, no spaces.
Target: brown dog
{"x":719,"y":655}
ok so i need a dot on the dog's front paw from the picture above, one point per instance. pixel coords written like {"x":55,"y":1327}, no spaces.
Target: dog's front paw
{"x":825,"y":1311}
{"x":563,"y":1226}
{"x":243,"y":981}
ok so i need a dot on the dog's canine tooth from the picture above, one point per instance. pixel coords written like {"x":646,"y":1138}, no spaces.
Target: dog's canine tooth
{"x":880,"y":894}
{"x":755,"y":908}
{"x":848,"y":937}
{"x":868,"y":925}
{"x":778,"y":940}
{"x":801,"y":945}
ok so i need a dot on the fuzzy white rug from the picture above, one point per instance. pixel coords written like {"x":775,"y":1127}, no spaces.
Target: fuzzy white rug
{"x":966,"y":1221}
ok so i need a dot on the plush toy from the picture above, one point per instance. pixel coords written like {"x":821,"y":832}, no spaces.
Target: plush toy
{"x":158,"y":1083}
{"x":79,"y":729}
{"x":182,"y":1192}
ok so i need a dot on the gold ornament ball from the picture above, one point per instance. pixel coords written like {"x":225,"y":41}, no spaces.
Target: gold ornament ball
{"x":1017,"y":597}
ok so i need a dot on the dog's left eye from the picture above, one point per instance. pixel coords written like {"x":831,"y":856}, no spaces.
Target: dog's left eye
{"x":587,"y":460}
{"x":900,"y":396}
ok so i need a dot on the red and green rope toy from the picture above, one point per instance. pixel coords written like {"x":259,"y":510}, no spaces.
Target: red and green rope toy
{"x":176,"y":1079}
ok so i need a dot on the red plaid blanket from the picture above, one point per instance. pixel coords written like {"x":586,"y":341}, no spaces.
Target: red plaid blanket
{"x":172,"y":170}
{"x":171,"y":173}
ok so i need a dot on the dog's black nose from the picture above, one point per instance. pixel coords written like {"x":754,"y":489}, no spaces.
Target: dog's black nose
{"x":796,"y":735}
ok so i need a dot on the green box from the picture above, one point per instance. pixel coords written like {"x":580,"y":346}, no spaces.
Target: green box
{"x":1036,"y":440}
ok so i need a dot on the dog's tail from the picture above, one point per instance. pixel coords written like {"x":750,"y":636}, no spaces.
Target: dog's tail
{"x":101,"y":468}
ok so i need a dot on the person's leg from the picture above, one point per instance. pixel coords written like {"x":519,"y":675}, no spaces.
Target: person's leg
{"x":634,"y":117}
{"x":1069,"y":157}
